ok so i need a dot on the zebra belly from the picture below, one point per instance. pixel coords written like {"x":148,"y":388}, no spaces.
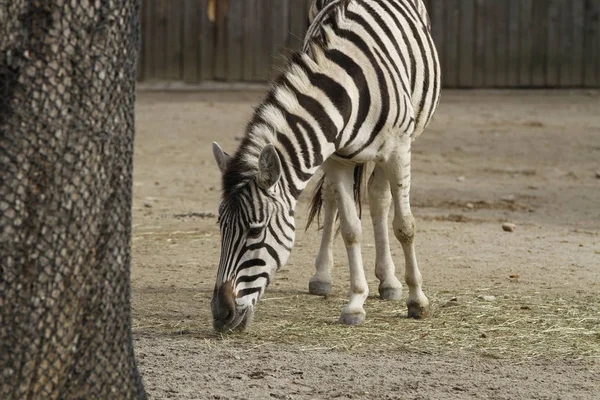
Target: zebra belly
{"x":379,"y":150}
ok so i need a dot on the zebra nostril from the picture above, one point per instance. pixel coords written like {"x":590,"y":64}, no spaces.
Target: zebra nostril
{"x":227,"y":314}
{"x":223,"y":305}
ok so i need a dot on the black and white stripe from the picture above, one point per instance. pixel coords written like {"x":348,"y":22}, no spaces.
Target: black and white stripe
{"x":256,"y":238}
{"x":370,"y":70}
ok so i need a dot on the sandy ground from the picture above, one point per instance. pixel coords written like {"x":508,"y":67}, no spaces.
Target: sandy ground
{"x":530,"y":158}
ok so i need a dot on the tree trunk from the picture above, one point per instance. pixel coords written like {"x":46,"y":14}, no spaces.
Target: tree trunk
{"x":67,"y":81}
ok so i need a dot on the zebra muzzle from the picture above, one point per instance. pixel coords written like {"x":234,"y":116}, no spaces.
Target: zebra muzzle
{"x":226,"y":315}
{"x":223,"y":306}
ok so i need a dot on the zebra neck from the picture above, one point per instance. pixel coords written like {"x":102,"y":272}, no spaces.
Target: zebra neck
{"x":300,"y":158}
{"x":303,"y":143}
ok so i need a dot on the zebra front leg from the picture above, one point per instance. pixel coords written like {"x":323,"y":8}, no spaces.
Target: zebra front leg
{"x":398,"y":171}
{"x":320,"y":282}
{"x":341,"y":177}
{"x":380,"y":200}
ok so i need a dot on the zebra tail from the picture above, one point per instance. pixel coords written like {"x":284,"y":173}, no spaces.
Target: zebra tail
{"x":317,"y":200}
{"x":316,"y":204}
{"x":359,"y":174}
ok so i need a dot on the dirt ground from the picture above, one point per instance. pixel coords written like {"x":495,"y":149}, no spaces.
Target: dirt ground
{"x":530,"y":158}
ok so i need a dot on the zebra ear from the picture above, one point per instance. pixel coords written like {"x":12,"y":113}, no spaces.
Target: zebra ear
{"x":221,"y":157}
{"x":269,"y":167}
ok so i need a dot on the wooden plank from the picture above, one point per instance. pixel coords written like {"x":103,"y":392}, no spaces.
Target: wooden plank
{"x":554,"y":45}
{"x":298,"y":23}
{"x":452,"y":41}
{"x":438,"y":26}
{"x":250,"y":30}
{"x":467,"y":43}
{"x":591,"y":51}
{"x":569,"y":43}
{"x":142,"y":54}
{"x":428,"y":5}
{"x":279,"y":38}
{"x":159,"y":42}
{"x":174,"y":40}
{"x":539,"y":50}
{"x":567,"y":19}
{"x":500,"y":15}
{"x":526,"y":43}
{"x":480,"y":44}
{"x":596,"y":20}
{"x":514,"y":43}
{"x":220,"y":55}
{"x":148,"y":27}
{"x":577,"y":55}
{"x":263,"y":41}
{"x":191,"y":41}
{"x":234,"y":41}
{"x":150,"y":32}
{"x":207,"y":43}
{"x":490,"y":44}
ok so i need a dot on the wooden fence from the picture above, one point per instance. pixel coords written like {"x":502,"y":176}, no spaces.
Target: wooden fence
{"x":482,"y":43}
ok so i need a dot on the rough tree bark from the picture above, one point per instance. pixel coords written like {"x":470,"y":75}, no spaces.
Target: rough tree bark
{"x":67,"y":80}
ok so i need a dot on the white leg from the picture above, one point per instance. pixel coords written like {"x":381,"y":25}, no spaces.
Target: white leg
{"x":342,"y":180}
{"x":320,"y":282}
{"x":380,"y":199}
{"x":398,"y":172}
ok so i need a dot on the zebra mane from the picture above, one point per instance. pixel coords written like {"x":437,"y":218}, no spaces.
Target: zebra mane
{"x":260,"y":131}
{"x":243,"y":166}
{"x":314,"y":30}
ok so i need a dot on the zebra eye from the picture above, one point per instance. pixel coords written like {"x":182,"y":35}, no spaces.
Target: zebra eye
{"x":254,"y":232}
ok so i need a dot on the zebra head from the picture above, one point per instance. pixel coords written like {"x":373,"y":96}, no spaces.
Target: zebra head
{"x":257,"y":234}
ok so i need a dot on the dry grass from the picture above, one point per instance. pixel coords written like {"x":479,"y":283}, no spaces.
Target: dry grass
{"x":515,"y":325}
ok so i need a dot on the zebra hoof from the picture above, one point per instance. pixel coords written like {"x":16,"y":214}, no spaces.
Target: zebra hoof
{"x":417,"y":311}
{"x":357,"y":318}
{"x":390,"y":293}
{"x":319,"y":288}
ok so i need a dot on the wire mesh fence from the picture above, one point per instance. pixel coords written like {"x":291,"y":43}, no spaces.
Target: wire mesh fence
{"x":67,"y":80}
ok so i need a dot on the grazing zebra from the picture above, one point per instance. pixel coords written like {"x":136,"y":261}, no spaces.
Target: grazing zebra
{"x":366,"y":86}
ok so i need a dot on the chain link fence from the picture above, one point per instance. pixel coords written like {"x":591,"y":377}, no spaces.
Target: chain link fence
{"x":67,"y":81}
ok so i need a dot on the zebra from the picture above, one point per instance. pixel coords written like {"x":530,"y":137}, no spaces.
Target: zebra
{"x":364,"y":87}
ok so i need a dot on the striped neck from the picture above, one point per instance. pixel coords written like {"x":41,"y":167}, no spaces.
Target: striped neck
{"x":299,"y":119}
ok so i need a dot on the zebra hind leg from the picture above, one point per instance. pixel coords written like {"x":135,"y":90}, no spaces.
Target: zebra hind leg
{"x":342,"y":184}
{"x":320,"y":282}
{"x":398,"y":174}
{"x":380,"y":200}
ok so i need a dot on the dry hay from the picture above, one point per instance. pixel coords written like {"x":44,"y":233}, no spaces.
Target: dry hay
{"x":514,"y":325}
